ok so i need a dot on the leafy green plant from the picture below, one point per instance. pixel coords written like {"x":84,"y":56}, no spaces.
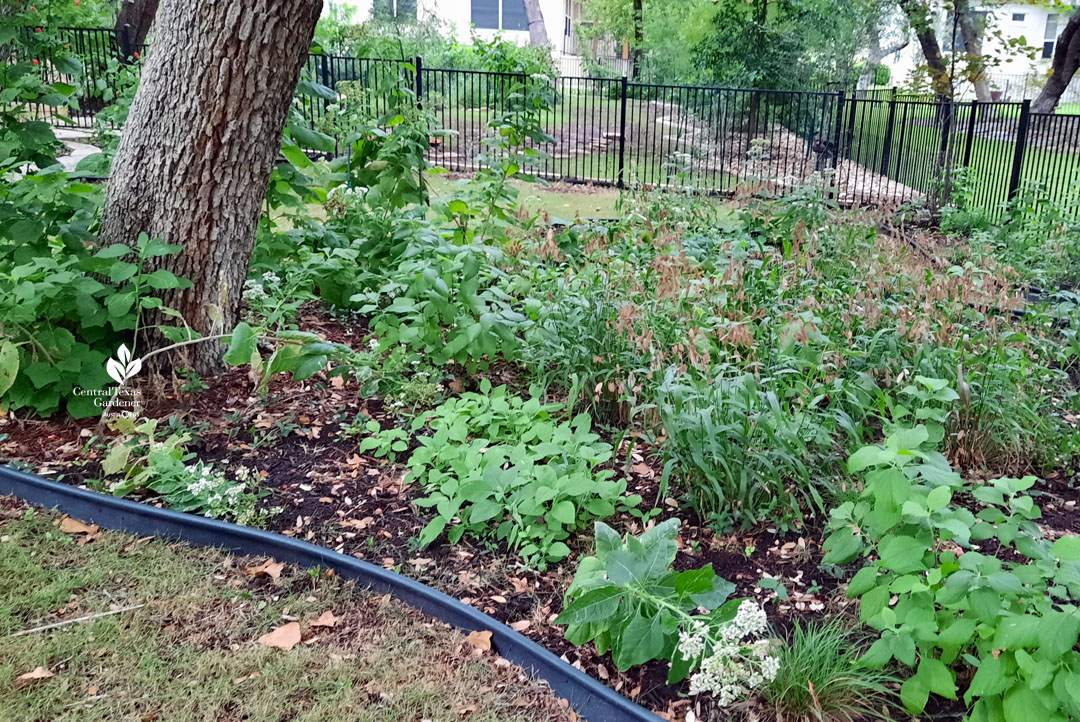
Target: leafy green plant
{"x":65,"y":310}
{"x":142,"y":455}
{"x":1005,"y":627}
{"x":820,"y":678}
{"x":202,"y":489}
{"x":384,"y":443}
{"x":628,"y":600}
{"x":501,"y":467}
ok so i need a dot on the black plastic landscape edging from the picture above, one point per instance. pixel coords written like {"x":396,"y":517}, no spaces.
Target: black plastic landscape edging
{"x":591,"y":699}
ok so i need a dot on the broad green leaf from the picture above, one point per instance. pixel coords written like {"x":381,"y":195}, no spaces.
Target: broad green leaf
{"x":594,"y":605}
{"x":640,"y":641}
{"x":902,"y":554}
{"x":9,"y":365}
{"x":241,"y":345}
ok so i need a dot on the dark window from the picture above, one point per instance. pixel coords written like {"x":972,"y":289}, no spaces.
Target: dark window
{"x":406,"y":9}
{"x":1048,"y":49}
{"x":485,"y":14}
{"x":514,"y":17}
{"x":382,"y":8}
{"x":1018,"y":17}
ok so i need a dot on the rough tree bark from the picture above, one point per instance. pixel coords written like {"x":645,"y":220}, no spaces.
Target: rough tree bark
{"x":1064,"y":66}
{"x":973,"y":40}
{"x":199,"y":145}
{"x":139,"y":16}
{"x":918,"y":14}
{"x":537,"y":29}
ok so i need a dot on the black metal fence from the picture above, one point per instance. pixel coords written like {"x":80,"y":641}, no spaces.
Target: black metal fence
{"x":880,"y":147}
{"x":102,"y":51}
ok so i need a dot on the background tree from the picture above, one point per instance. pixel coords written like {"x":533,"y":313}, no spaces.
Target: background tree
{"x":884,"y":36}
{"x":920,"y":16}
{"x":1063,"y":67}
{"x":199,"y":145}
{"x":537,"y":29}
{"x":971,"y":27}
{"x":138,"y":17}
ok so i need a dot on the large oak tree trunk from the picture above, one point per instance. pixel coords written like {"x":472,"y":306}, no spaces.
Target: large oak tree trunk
{"x":1064,"y":66}
{"x":138,"y":16}
{"x":537,"y":29}
{"x":918,"y":15}
{"x":200,"y":142}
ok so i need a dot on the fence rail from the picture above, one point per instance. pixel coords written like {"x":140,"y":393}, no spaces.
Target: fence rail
{"x":883,"y":147}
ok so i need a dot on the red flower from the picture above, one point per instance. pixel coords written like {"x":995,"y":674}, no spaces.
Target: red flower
{"x":136,"y":53}
{"x":36,"y":61}
{"x":39,"y":30}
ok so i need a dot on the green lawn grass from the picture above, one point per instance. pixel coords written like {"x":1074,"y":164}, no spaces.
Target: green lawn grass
{"x":916,"y":144}
{"x":191,"y":653}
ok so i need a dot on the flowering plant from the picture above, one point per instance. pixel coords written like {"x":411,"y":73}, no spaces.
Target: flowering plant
{"x":728,"y":661}
{"x":202,"y":489}
{"x":629,"y":600}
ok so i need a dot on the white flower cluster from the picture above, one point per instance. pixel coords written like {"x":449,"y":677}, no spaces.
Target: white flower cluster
{"x":255,"y":289}
{"x":341,"y":199}
{"x":731,"y":667}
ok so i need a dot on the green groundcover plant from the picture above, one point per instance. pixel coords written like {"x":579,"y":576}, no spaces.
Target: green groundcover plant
{"x":500,"y":467}
{"x":961,"y":584}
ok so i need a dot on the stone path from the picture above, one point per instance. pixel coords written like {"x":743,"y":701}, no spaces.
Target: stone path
{"x":78,"y":147}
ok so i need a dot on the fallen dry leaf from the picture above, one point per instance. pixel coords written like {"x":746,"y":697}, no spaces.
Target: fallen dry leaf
{"x":520,"y":626}
{"x":285,"y":637}
{"x":31,"y":677}
{"x":480,"y":640}
{"x":270,"y":569}
{"x":326,"y":620}
{"x":74,"y":526}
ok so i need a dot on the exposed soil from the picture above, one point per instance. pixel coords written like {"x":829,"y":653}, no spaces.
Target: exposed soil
{"x":298,"y":438}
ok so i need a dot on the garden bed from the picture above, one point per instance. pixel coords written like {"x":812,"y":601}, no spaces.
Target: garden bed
{"x":324,"y":490}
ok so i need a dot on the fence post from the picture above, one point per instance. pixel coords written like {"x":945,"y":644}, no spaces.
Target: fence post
{"x":324,"y":71}
{"x":850,"y":137}
{"x":1018,"y":150}
{"x":419,"y":83}
{"x":621,"y":181}
{"x":420,"y":106}
{"x":886,"y":150}
{"x":969,"y":143}
{"x":839,"y":128}
{"x":126,"y":48}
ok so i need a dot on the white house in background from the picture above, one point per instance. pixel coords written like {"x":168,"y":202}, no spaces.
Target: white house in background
{"x":1018,"y":76}
{"x":485,"y":18}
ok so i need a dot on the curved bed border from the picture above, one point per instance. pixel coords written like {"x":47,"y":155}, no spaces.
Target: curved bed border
{"x":591,"y":699}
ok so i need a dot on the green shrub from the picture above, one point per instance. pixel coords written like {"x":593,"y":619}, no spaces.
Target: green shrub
{"x":65,"y":309}
{"x":1004,"y":625}
{"x":504,"y":468}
